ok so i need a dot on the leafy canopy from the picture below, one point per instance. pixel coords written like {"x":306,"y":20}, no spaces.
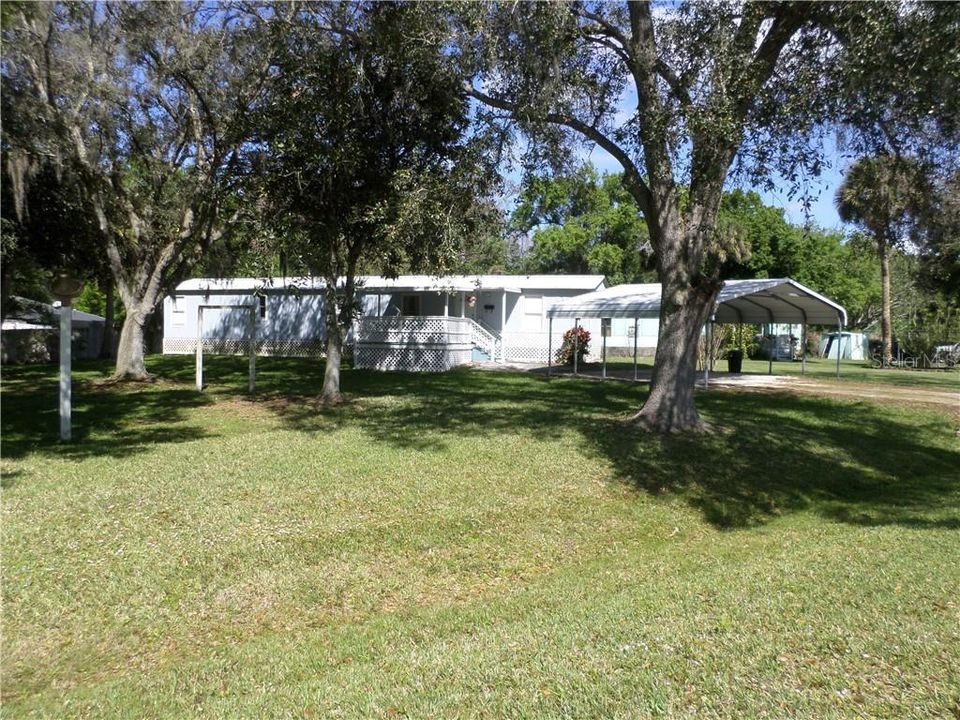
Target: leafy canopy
{"x":360,"y":157}
{"x":583,"y":223}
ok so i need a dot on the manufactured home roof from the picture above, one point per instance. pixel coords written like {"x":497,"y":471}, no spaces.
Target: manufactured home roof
{"x":367,"y":283}
{"x":777,"y":300}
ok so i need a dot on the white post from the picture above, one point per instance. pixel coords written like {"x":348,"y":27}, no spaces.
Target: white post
{"x":446,"y":304}
{"x":710,"y":345}
{"x":576,"y":343}
{"x":603,"y":374}
{"x":503,"y":326}
{"x":66,"y":331}
{"x":636,"y":329}
{"x":773,"y":349}
{"x":199,"y":361}
{"x":706,"y":359}
{"x":379,"y":296}
{"x":463,"y":304}
{"x":550,"y":346}
{"x":253,"y":349}
{"x":803,"y":349}
{"x":839,"y":343}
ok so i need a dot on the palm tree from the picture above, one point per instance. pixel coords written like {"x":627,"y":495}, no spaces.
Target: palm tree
{"x":883,"y":194}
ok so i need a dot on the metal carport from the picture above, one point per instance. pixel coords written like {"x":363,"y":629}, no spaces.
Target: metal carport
{"x":774,"y":300}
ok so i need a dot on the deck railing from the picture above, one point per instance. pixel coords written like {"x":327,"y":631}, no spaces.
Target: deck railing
{"x":486,"y":339}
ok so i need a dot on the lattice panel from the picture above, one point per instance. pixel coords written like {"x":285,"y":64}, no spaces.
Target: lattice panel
{"x":529,"y":348}
{"x":409,"y":359}
{"x":264,"y":348}
{"x":418,"y":330}
{"x":516,"y":353}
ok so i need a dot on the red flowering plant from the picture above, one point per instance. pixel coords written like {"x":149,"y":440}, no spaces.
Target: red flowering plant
{"x":577,"y":336}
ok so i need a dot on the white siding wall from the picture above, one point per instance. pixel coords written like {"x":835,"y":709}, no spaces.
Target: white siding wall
{"x":297,"y":320}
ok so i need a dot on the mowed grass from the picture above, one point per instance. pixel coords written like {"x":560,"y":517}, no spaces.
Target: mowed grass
{"x":472,"y":544}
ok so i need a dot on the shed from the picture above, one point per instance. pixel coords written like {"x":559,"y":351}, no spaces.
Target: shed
{"x":30,"y":332}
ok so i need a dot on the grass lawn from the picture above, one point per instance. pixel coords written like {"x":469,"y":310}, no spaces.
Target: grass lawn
{"x":471,"y":544}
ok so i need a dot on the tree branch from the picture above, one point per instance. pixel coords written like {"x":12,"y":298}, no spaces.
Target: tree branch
{"x":588,"y":131}
{"x":676,"y":85}
{"x":607,"y":27}
{"x":643,"y":48}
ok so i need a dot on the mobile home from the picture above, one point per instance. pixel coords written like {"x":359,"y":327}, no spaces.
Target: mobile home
{"x":412,"y":322}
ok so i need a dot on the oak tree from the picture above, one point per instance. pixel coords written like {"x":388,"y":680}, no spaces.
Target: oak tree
{"x":713,"y":90}
{"x":144,"y":104}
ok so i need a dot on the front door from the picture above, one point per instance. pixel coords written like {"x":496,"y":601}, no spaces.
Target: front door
{"x":410,"y":305}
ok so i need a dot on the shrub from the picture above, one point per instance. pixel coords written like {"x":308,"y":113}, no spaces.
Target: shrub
{"x":565,"y":353}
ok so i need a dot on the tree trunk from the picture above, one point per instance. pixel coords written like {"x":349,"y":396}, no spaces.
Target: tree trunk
{"x":331,"y":373}
{"x":130,"y":365}
{"x":106,"y":350}
{"x":685,"y":308}
{"x":886,"y":320}
{"x":330,"y":394}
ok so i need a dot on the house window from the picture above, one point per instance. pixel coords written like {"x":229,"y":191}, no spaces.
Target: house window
{"x":263,"y":306}
{"x":410,"y":305}
{"x":179,"y":309}
{"x":532,"y":312}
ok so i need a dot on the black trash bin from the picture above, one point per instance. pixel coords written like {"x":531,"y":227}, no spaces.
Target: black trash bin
{"x":735,"y":361}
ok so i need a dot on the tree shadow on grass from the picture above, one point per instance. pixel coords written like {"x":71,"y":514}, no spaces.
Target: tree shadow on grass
{"x":852,"y":462}
{"x":113,"y":421}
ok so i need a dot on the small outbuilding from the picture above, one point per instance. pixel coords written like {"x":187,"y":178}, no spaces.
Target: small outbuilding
{"x":30,"y":332}
{"x":848,"y":345}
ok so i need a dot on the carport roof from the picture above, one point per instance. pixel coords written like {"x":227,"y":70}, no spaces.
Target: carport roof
{"x":775,"y":300}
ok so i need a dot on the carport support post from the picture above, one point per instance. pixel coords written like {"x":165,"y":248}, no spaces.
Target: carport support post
{"x":839,"y":343}
{"x":550,"y":346}
{"x":803,"y":349}
{"x":603,"y":375}
{"x":773,"y":348}
{"x":199,"y":362}
{"x":252,"y":330}
{"x":706,"y":358}
{"x":710,"y":344}
{"x":636,"y":323}
{"x":576,"y":343}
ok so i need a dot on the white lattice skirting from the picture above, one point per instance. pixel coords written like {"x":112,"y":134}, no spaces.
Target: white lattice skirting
{"x":530,"y":348}
{"x":437,"y":358}
{"x":264,"y":348}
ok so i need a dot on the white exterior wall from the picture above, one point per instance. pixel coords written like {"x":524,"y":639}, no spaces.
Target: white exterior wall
{"x":286,"y":325}
{"x":525,"y":337}
{"x":292,"y":323}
